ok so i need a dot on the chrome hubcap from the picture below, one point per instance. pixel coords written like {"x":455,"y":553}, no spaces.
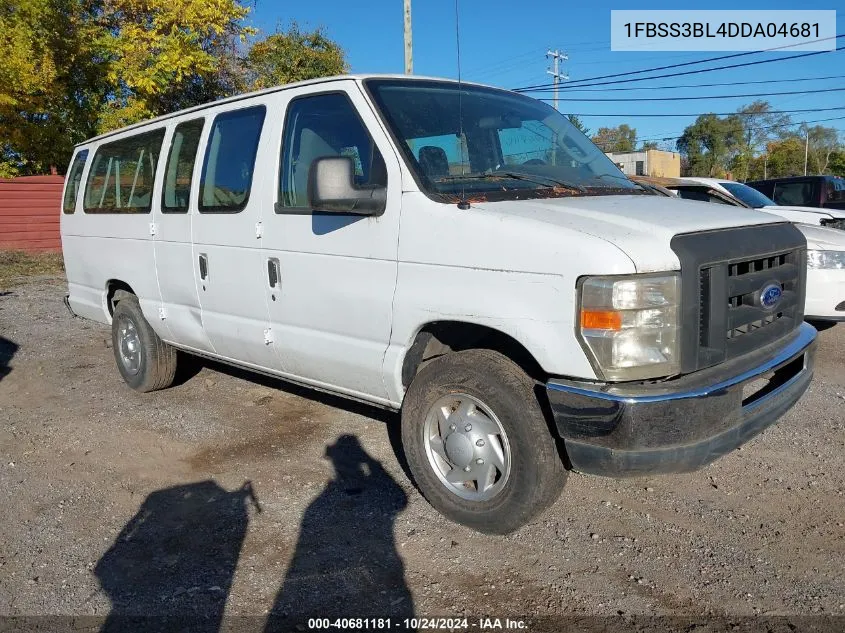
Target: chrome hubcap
{"x":467,"y":447}
{"x":128,"y":345}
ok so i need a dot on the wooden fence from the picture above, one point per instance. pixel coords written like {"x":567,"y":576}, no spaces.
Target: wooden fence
{"x":29,"y":213}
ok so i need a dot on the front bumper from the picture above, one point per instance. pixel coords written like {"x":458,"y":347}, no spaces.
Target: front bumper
{"x":825,"y":295}
{"x":682,"y":424}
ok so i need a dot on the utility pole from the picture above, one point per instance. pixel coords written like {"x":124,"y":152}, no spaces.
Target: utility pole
{"x":806,"y":145}
{"x":765,"y":165}
{"x":409,"y":45}
{"x":556,"y":56}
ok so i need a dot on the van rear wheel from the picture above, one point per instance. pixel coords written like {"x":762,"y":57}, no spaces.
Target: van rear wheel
{"x":477,"y":442}
{"x":144,"y":361}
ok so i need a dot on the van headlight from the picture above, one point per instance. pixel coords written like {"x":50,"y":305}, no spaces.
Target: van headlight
{"x":629,"y":325}
{"x":829,"y":260}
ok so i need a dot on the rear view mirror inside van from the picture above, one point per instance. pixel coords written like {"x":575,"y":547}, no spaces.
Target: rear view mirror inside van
{"x":332,"y":188}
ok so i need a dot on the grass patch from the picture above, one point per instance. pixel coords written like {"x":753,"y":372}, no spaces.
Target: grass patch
{"x":17,"y":266}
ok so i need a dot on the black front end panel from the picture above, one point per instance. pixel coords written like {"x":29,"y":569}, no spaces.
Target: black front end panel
{"x":723,"y":276}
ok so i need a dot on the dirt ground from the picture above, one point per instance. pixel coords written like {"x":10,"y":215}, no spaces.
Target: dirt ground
{"x":231,"y":496}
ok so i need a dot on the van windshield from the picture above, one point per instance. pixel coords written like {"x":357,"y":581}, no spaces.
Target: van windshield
{"x":749,"y":195}
{"x":492,"y":144}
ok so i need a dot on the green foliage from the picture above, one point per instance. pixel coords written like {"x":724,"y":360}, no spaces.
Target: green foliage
{"x":75,"y":68}
{"x":837,"y":163}
{"x":647,"y":145}
{"x":293,"y":55}
{"x":710,"y":144}
{"x":760,"y":125}
{"x":616,"y":139}
{"x":578,"y":123}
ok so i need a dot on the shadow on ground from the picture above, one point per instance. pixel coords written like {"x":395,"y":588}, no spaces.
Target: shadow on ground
{"x":171,"y":567}
{"x":346,"y":563}
{"x":175,"y":560}
{"x":192,"y":365}
{"x":7,"y":351}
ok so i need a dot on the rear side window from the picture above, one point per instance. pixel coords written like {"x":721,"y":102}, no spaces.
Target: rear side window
{"x":122,"y":174}
{"x":319,"y":126}
{"x":230,"y":160}
{"x":836,"y":190}
{"x":74,"y":178}
{"x":799,"y":194}
{"x":179,"y":172}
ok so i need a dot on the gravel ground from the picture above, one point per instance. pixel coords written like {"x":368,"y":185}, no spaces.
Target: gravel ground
{"x":234,"y":495}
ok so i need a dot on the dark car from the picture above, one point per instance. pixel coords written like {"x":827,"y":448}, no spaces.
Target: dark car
{"x":804,"y":191}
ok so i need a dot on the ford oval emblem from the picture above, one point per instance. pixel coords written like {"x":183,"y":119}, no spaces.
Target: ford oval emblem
{"x":770,"y":295}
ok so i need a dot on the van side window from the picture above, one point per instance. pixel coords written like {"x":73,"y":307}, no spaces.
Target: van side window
{"x":74,"y":177}
{"x":122,"y":174}
{"x":230,"y":160}
{"x":798,"y":193}
{"x":319,"y":126}
{"x":179,"y":171}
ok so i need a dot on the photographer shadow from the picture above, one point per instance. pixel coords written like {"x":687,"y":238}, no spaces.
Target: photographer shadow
{"x":346,"y":564}
{"x":172,"y":565}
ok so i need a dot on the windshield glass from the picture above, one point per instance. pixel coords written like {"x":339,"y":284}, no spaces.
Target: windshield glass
{"x":749,"y":195}
{"x":483,"y":142}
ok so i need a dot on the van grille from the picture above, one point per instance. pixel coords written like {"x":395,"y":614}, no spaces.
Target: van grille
{"x":746,"y":314}
{"x":723,"y":275}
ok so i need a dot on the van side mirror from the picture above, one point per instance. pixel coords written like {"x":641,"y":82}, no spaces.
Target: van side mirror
{"x":332,"y":188}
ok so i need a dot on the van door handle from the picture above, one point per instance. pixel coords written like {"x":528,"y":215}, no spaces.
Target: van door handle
{"x":274,"y":273}
{"x":203,"y":266}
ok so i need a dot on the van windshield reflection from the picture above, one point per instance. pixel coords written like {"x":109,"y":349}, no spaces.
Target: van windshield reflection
{"x":479,"y":141}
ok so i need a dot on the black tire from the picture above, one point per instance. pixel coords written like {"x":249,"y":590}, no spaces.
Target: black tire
{"x":820,"y":325}
{"x":537,"y":474}
{"x":156,"y":366}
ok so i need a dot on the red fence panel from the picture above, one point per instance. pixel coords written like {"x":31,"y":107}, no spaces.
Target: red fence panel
{"x":29,"y":213}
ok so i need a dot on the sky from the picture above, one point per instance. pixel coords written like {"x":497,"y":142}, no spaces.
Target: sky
{"x":503,"y":43}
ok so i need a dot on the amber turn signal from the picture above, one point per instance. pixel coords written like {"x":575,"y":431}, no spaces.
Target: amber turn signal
{"x":601,"y":320}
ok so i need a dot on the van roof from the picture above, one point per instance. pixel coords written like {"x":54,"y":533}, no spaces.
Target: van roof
{"x":247,"y":95}
{"x":795,"y":178}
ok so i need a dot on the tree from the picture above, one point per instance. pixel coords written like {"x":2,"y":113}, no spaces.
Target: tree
{"x":50,"y":91}
{"x":759,"y":126}
{"x":162,"y":54}
{"x":293,"y":55}
{"x":647,"y":145}
{"x":616,"y":139}
{"x":72,"y":68}
{"x":578,"y":123}
{"x":837,"y":163}
{"x":710,"y":144}
{"x":822,"y":143}
{"x":785,"y":157}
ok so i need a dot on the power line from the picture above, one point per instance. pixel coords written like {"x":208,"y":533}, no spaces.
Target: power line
{"x":652,"y":114}
{"x":710,"y":85}
{"x":667,"y":137}
{"x":582,"y":82}
{"x":700,"y":97}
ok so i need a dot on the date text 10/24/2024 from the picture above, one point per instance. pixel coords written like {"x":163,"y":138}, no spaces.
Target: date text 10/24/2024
{"x":419,"y":624}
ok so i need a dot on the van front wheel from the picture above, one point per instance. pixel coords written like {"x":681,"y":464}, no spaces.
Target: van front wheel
{"x":144,"y":361}
{"x":477,"y":442}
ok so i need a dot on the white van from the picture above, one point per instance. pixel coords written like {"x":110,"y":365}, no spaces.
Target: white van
{"x":457,"y":251}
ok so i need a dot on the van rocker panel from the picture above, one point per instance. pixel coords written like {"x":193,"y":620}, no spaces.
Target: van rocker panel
{"x":683,"y":424}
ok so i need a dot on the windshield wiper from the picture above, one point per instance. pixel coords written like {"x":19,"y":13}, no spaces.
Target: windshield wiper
{"x":515,"y":175}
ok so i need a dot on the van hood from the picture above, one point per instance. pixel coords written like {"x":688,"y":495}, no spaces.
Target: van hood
{"x":816,"y":211}
{"x":641,"y":226}
{"x":822,"y":239}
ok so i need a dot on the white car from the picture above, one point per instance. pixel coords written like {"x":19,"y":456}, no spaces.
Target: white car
{"x":457,"y":252}
{"x":825,"y":248}
{"x":825,"y":273}
{"x":756,"y":200}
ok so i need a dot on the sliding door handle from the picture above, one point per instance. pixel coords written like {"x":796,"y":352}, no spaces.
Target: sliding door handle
{"x":274,"y":272}
{"x":203,"y":266}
